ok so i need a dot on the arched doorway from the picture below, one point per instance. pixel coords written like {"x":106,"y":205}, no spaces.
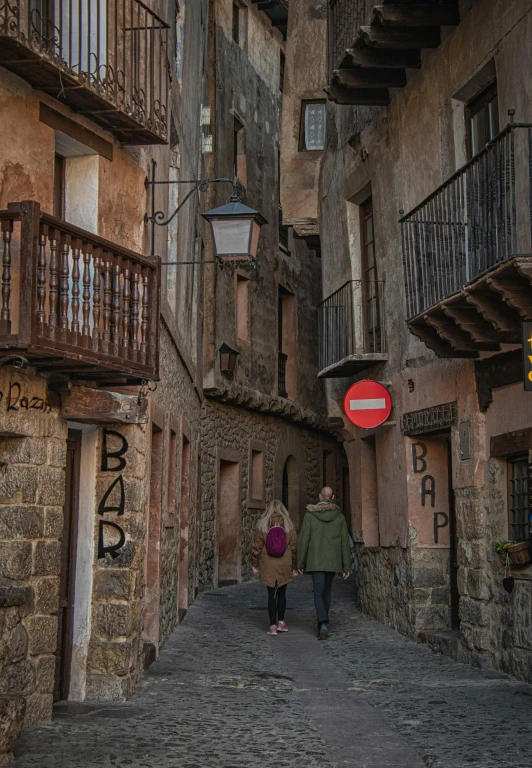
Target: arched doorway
{"x":290,"y":490}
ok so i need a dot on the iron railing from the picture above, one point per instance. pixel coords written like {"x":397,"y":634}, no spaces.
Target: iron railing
{"x":101,"y":56}
{"x":345,"y":18}
{"x":281,"y":374}
{"x":477,"y":219}
{"x":351,"y":322}
{"x":69,"y":294}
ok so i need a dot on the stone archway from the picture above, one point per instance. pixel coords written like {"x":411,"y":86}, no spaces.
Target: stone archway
{"x":290,"y":475}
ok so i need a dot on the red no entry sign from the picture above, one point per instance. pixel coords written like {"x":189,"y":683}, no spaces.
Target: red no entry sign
{"x":367,"y":404}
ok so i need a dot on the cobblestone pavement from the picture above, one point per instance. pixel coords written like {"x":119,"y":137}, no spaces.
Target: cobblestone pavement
{"x":224,"y":695}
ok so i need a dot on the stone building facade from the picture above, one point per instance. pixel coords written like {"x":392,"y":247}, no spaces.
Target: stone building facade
{"x":100,"y":404}
{"x":411,"y":208}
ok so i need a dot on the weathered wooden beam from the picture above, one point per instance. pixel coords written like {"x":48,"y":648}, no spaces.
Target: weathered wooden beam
{"x":371,"y":58}
{"x":472,"y":322}
{"x":457,"y":338}
{"x":371,"y":78}
{"x":494,"y":310}
{"x":516,"y":293}
{"x":99,"y":406}
{"x":406,"y":38}
{"x":374,"y":97}
{"x":430,"y":337}
{"x":418,"y":14}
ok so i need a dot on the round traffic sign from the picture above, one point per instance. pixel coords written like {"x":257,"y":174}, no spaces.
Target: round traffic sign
{"x":367,"y":404}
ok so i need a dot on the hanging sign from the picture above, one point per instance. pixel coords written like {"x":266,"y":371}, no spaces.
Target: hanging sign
{"x":367,"y":404}
{"x":527,"y":355}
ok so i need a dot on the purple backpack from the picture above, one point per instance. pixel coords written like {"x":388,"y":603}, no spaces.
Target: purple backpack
{"x":276,"y":541}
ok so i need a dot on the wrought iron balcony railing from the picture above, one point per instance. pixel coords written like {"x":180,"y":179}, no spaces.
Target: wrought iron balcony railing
{"x":351,"y":329}
{"x":105,"y":58}
{"x":73,"y":302}
{"x":477,"y":219}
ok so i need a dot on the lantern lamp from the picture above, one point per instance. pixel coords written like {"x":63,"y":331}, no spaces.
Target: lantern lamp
{"x":235,"y":230}
{"x":228,"y":357}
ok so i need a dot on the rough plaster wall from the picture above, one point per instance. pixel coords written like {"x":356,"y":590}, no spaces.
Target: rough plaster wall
{"x":226,"y":427}
{"x":32,"y":483}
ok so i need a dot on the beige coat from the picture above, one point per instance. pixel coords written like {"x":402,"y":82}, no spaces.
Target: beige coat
{"x":274,"y":570}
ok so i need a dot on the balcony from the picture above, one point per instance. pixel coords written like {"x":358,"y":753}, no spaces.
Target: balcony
{"x":75,"y":304}
{"x":371,"y":46}
{"x":467,"y":252}
{"x":106,"y":59}
{"x":276,"y":11}
{"x":351,"y":329}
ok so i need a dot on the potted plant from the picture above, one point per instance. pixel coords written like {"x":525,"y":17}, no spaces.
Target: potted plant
{"x":517,"y":551}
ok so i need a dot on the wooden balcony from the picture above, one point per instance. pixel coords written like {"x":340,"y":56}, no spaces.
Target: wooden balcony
{"x":74,"y":304}
{"x":351,"y":329}
{"x":372,"y":44}
{"x":276,"y":11}
{"x":467,"y":252}
{"x":106,"y":59}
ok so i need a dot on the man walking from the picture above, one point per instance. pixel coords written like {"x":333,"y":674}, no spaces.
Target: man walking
{"x":323,"y":550}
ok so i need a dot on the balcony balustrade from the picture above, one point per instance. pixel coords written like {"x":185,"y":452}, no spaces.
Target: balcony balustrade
{"x":372,"y":44}
{"x":73,"y":303}
{"x":351,"y":329}
{"x":467,"y":252}
{"x":106,"y":59}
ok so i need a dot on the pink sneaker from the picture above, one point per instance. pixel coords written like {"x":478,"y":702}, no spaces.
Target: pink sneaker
{"x":281,"y":627}
{"x":272,"y":630}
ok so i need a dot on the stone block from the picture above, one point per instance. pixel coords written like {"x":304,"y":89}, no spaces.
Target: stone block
{"x":51,"y":490}
{"x":45,"y":674}
{"x":15,"y":560}
{"x":53,"y":523}
{"x":16,"y":644}
{"x":111,"y":620}
{"x":56,"y":453}
{"x":440,"y":596}
{"x":478,"y":556}
{"x":21,"y":522}
{"x":432,"y":618}
{"x":478,"y":585}
{"x":428,"y":577}
{"x":42,"y":632}
{"x":461,"y":578}
{"x":47,"y":558}
{"x":474,"y":516}
{"x":12,"y":711}
{"x":112,"y":584}
{"x":474,"y":612}
{"x":47,"y":595}
{"x":463,"y":555}
{"x":23,"y":450}
{"x":113,"y":658}
{"x":18,"y":484}
{"x":108,"y":688}
{"x":38,"y":709}
{"x":421,"y":596}
{"x":18,"y":679}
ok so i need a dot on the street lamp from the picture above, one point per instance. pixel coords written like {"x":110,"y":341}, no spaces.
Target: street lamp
{"x":235,"y":227}
{"x":228,"y":357}
{"x":235,"y":230}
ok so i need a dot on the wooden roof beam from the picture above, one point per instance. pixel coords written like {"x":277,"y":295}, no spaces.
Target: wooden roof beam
{"x":371,"y":78}
{"x":406,"y":38}
{"x":371,"y":58}
{"x":373,"y":97}
{"x":418,"y":14}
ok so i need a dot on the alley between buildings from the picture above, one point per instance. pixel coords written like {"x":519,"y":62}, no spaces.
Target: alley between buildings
{"x":224,"y":694}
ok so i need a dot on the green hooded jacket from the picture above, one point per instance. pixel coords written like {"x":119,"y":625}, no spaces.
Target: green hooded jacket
{"x":323,"y":543}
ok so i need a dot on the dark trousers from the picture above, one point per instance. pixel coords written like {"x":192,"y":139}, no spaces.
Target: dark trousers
{"x":322,"y":582}
{"x":276,"y":603}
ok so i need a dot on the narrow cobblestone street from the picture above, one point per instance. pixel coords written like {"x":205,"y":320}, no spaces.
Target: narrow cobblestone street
{"x":224,"y":694}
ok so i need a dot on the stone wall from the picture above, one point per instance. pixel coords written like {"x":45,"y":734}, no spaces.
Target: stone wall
{"x":226,"y":427}
{"x":32,"y":481}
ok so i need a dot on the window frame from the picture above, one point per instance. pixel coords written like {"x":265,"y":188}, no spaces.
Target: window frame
{"x":476,"y":105}
{"x":256,"y":447}
{"x":511,"y":463}
{"x":301,"y":144}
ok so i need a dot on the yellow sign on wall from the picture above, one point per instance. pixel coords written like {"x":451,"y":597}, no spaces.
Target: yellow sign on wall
{"x":527,"y":356}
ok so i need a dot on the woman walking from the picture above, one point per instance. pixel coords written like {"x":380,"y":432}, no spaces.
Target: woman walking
{"x":274,"y":556}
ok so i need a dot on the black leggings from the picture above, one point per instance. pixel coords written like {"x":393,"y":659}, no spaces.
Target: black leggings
{"x":276,"y":603}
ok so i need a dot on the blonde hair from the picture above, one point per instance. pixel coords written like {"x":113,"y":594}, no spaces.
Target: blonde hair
{"x":275,"y":507}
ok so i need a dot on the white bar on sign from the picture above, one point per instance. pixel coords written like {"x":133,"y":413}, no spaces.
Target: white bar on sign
{"x":367,"y":405}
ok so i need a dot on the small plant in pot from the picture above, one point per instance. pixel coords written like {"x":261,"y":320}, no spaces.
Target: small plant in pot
{"x":517,"y":551}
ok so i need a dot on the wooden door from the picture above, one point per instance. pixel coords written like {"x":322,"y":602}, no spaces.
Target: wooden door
{"x":68,"y":567}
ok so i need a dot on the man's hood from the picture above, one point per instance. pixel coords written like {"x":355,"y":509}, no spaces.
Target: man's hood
{"x":325,"y":511}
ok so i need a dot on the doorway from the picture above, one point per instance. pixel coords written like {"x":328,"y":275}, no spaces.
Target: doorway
{"x":68,"y":567}
{"x":184,"y":521}
{"x":228,"y":516}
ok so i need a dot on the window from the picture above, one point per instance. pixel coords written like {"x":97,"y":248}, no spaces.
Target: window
{"x":239,"y":152}
{"x":482,"y":120}
{"x":518,"y":498}
{"x":242,"y":307}
{"x":59,"y":186}
{"x":312,"y":131}
{"x":76,"y":181}
{"x":171,"y":499}
{"x":256,"y":491}
{"x":371,"y":285}
{"x":282,"y":60}
{"x":236,"y":23}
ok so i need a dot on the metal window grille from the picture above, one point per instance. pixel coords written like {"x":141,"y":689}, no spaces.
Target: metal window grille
{"x":518,"y":498}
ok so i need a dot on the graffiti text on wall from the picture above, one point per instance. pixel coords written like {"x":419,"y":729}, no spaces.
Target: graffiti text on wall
{"x":15,"y":400}
{"x":428,"y":487}
{"x":112,"y":461}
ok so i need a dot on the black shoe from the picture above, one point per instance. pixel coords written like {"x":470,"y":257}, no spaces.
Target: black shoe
{"x":323,"y":632}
